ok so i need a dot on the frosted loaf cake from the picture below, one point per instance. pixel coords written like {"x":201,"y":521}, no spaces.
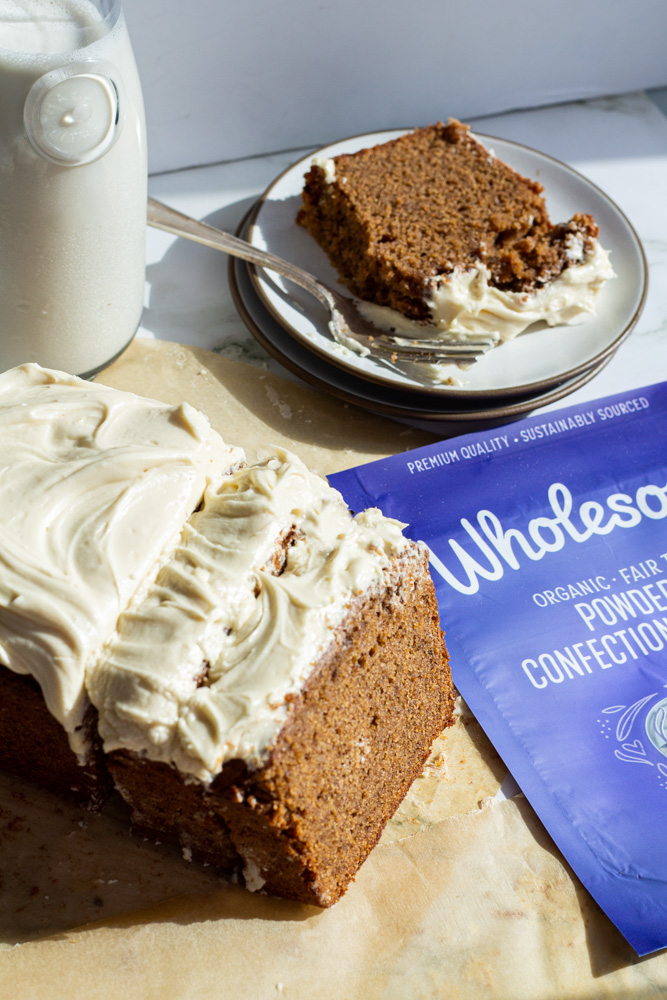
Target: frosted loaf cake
{"x":431,"y":228}
{"x":95,"y":487}
{"x":268,"y":674}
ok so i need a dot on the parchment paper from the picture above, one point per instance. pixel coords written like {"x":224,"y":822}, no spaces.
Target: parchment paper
{"x":465,"y":897}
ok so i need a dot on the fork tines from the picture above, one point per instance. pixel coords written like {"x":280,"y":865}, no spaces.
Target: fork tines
{"x":430,"y":351}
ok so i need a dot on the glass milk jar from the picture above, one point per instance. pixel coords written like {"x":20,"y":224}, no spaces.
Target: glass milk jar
{"x":72,"y":184}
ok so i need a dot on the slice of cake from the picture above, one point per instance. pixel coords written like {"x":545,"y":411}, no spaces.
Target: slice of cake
{"x":432,"y":228}
{"x":259,"y":673}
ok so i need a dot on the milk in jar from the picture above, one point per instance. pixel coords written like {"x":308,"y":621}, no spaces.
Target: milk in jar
{"x":72,"y":184}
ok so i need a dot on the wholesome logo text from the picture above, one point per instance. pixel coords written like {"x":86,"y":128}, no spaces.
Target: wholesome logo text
{"x":496,"y":548}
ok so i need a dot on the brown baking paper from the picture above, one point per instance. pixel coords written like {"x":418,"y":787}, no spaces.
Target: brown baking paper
{"x":465,"y":897}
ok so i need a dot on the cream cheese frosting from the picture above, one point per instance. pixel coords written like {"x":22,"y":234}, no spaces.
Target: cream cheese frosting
{"x":95,"y":485}
{"x":466,"y":304}
{"x":201,"y":667}
{"x":328,"y":166}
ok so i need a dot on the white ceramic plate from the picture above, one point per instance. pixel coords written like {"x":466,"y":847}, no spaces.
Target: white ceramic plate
{"x":534,"y":361}
{"x":445,"y":416}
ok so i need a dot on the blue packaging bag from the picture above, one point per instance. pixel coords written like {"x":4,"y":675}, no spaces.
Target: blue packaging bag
{"x":548,"y":542}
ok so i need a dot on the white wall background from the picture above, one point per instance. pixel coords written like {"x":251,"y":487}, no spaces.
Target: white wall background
{"x":225,"y":79}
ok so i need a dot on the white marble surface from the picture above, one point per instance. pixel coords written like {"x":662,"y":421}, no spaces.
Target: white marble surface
{"x":620,"y":143}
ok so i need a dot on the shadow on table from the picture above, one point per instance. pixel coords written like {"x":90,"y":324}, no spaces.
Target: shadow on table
{"x":62,"y":867}
{"x":190,"y":299}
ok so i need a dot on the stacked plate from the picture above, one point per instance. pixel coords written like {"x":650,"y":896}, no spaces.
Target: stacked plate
{"x":538,"y":367}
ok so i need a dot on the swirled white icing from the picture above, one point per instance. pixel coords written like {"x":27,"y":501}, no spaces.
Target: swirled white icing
{"x":201,"y":668}
{"x":95,"y":485}
{"x":466,"y":304}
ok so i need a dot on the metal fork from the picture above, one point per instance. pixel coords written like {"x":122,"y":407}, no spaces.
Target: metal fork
{"x":346,"y":324}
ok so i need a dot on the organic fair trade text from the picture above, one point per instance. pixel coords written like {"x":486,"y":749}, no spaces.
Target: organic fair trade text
{"x":628,"y":622}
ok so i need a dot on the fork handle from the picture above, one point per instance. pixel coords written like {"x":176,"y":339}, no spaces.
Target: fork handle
{"x":168,"y":219}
